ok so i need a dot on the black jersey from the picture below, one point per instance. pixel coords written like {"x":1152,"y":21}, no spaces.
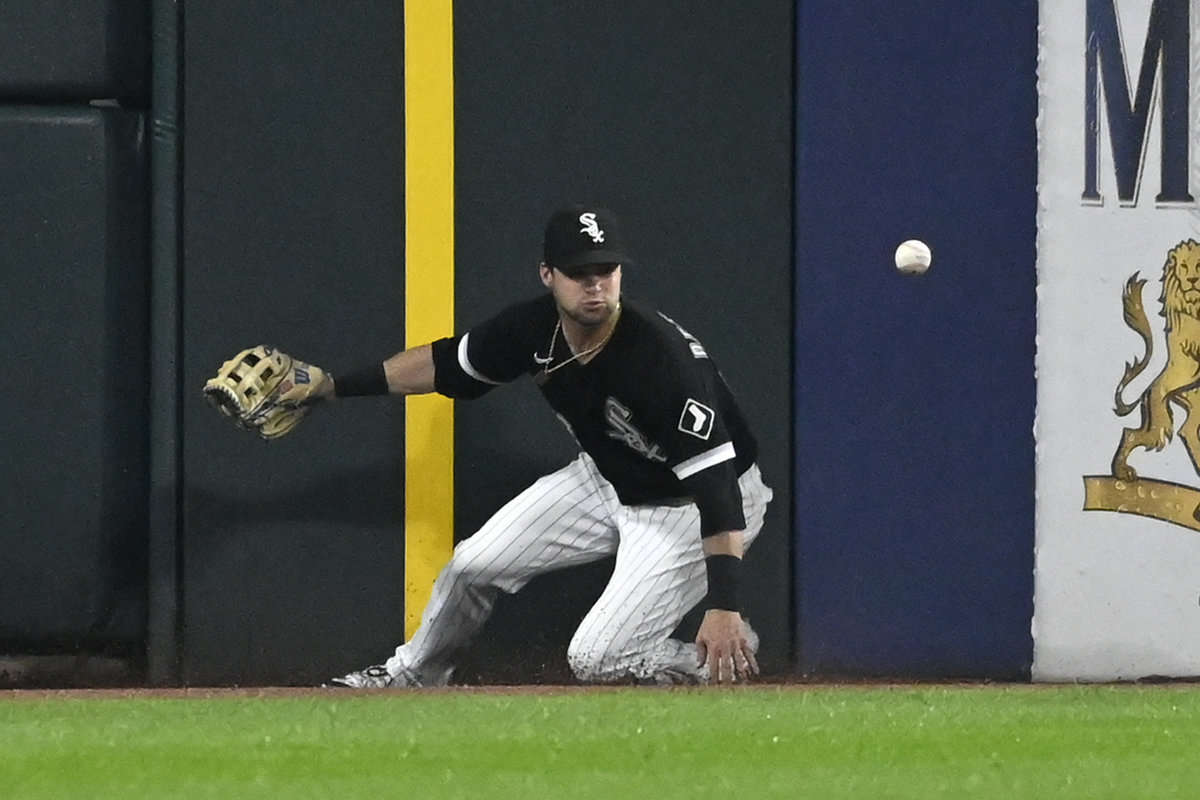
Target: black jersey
{"x":650,"y":408}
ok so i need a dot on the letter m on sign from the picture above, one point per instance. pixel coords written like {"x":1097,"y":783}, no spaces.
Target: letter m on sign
{"x":1128,"y":112}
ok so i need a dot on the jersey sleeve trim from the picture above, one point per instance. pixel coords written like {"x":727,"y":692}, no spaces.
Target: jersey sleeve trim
{"x":464,"y":361}
{"x":709,"y":458}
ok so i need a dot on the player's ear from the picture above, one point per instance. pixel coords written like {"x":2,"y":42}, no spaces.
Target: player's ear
{"x":546,"y":273}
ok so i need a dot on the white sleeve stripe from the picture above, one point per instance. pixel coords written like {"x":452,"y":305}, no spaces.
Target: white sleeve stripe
{"x":709,"y":458}
{"x":465,"y":362}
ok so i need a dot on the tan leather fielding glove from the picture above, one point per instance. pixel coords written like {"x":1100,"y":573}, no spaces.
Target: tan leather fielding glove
{"x":265,"y":390}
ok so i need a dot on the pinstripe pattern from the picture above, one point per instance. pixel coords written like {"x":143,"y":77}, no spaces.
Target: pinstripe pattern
{"x":659,"y":576}
{"x":564,"y":519}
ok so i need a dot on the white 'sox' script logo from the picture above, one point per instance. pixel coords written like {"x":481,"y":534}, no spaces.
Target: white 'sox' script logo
{"x":621,"y":429}
{"x":590,"y":227}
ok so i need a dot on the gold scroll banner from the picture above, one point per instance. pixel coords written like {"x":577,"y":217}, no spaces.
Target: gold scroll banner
{"x":1146,"y":497}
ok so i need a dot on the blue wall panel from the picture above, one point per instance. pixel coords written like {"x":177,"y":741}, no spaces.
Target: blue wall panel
{"x":915,"y":396}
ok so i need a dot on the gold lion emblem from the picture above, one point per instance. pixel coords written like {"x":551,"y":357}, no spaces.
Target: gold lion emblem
{"x":1177,"y":384}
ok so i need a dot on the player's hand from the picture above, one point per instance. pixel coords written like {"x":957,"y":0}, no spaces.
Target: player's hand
{"x":721,"y":642}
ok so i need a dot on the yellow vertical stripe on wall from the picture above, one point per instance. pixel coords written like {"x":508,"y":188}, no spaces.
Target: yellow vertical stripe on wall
{"x":429,"y":291}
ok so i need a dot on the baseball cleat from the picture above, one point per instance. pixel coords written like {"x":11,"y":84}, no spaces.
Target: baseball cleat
{"x":373,"y":677}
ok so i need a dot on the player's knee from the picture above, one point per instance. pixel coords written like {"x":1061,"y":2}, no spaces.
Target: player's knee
{"x":592,"y":662}
{"x":464,"y":569}
{"x":586,"y":667}
{"x":467,"y":570}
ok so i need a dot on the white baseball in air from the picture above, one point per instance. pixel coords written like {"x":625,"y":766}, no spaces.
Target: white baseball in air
{"x":913,"y":257}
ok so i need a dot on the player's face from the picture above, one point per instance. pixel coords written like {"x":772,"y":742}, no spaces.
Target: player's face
{"x":589,"y":295}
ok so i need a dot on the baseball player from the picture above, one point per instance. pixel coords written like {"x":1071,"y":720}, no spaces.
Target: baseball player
{"x":666,"y":478}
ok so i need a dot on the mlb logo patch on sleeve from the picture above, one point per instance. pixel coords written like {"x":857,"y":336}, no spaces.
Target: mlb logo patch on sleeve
{"x":696,"y":419}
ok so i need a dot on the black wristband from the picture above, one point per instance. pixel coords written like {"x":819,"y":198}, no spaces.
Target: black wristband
{"x":364,"y":382}
{"x":724,"y":582}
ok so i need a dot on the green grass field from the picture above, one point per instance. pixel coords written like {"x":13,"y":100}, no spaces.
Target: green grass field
{"x":1010,"y":742}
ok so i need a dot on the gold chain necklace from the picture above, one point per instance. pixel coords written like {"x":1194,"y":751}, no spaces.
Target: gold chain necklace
{"x":547,"y":369}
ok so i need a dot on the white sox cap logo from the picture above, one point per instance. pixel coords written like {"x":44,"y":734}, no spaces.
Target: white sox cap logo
{"x":591,"y":227}
{"x":696,"y":419}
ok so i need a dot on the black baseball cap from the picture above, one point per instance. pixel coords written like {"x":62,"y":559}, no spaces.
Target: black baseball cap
{"x":579,"y":236}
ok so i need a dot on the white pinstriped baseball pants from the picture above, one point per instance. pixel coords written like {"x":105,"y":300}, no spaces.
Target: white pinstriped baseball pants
{"x":564,"y":519}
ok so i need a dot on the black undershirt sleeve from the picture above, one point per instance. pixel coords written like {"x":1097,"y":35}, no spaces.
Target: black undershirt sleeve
{"x":449,"y":378}
{"x":719,"y":499}
{"x":494,"y":352}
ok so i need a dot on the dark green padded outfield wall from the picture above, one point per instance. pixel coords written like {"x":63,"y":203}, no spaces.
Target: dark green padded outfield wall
{"x":279,"y":563}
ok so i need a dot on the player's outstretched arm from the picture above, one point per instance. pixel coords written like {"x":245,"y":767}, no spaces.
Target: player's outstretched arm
{"x":410,"y":372}
{"x":268,"y":391}
{"x":407,"y":372}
